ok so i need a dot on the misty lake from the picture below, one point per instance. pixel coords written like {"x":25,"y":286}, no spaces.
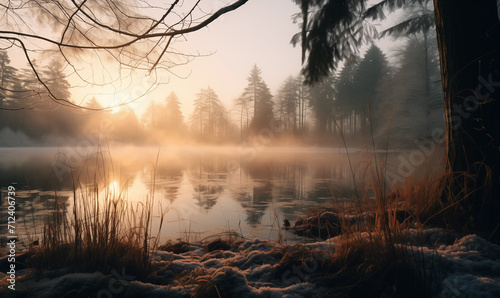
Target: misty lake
{"x":202,"y":191}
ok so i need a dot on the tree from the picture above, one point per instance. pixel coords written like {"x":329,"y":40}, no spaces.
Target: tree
{"x":151,"y":117}
{"x":421,"y":55}
{"x":468,"y":35}
{"x":289,"y":105}
{"x":93,"y":104}
{"x":243,"y":109}
{"x":126,"y":126}
{"x":413,"y":98}
{"x":96,"y":118}
{"x":367,"y":76}
{"x":130,"y":36}
{"x":7,"y":85}
{"x":209,"y":117}
{"x":7,"y":78}
{"x":41,"y":116}
{"x":292,"y":104}
{"x":260,"y":96}
{"x":345,"y":90}
{"x":322,"y":103}
{"x":173,"y":120}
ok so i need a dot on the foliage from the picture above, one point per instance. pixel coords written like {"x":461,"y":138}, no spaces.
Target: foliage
{"x":322,"y":103}
{"x":258,"y":94}
{"x":332,"y":31}
{"x":209,"y":119}
{"x":291,"y":105}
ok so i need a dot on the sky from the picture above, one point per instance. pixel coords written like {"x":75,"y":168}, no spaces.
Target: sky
{"x":258,"y":33}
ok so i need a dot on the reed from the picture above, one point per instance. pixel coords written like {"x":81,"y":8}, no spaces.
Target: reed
{"x":374,"y":254}
{"x":105,"y":231}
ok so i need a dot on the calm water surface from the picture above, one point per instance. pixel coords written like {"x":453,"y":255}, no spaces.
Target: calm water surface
{"x":202,"y":191}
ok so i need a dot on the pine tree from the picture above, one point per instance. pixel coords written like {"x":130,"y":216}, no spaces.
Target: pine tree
{"x":93,"y":104}
{"x":289,"y":104}
{"x":209,"y":116}
{"x":7,"y":79}
{"x":322,"y":103}
{"x":173,"y":120}
{"x":345,"y":90}
{"x":259,"y":94}
{"x":367,"y":76}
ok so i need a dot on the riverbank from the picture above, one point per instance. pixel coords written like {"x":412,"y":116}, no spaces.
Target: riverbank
{"x":439,"y":263}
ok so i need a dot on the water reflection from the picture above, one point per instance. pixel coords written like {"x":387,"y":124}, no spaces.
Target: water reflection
{"x":32,"y":210}
{"x":197,"y":184}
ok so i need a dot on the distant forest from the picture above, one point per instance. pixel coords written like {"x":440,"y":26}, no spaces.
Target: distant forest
{"x":394,"y":102}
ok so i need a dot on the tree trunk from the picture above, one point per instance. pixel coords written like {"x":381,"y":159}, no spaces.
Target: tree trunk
{"x":468,"y":33}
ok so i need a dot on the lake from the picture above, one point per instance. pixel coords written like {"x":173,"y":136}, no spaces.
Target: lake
{"x":201,"y":190}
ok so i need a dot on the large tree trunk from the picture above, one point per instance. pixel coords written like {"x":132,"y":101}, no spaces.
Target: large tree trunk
{"x":468,"y":33}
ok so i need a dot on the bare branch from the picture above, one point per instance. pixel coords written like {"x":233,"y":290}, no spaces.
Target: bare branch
{"x":136,"y":36}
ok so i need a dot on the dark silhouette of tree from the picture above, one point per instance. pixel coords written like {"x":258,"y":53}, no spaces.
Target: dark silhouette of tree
{"x":413,"y":98}
{"x":322,"y":103}
{"x":304,"y":98}
{"x":289,"y":103}
{"x":8,"y":85}
{"x":260,"y":96}
{"x":367,"y":76}
{"x":292,"y":107}
{"x":7,"y":79}
{"x":468,"y":35}
{"x":344,"y":106}
{"x":41,"y":116}
{"x":419,"y":27}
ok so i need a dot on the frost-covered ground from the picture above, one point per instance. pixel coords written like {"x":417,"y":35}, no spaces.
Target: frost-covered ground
{"x":469,"y":266}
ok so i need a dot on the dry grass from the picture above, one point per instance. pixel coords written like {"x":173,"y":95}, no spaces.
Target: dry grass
{"x":105,"y":232}
{"x":373,"y":256}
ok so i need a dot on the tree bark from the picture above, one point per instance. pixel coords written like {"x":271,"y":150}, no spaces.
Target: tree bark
{"x":468,"y":33}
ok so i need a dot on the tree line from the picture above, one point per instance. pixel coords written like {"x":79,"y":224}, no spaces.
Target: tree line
{"x":372,"y":97}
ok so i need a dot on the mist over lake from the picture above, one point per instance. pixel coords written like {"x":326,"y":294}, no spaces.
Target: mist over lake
{"x":202,"y":190}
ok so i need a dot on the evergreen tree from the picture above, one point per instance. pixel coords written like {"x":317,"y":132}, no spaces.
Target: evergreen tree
{"x":468,"y":43}
{"x":209,"y":118}
{"x":127,"y":128}
{"x":8,"y":85}
{"x":243,"y":109}
{"x":151,"y":117}
{"x":415,"y":104}
{"x":289,"y":104}
{"x":322,"y":103}
{"x":93,"y":104}
{"x":7,"y":79}
{"x":260,"y":96}
{"x":303,"y":100}
{"x":344,"y":106}
{"x":173,"y":120}
{"x":367,"y":76}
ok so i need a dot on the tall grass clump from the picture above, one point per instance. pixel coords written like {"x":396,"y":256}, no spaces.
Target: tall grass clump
{"x":375,"y":253}
{"x":105,"y":231}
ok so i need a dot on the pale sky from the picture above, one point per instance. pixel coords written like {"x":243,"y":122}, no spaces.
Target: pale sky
{"x":259,"y":33}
